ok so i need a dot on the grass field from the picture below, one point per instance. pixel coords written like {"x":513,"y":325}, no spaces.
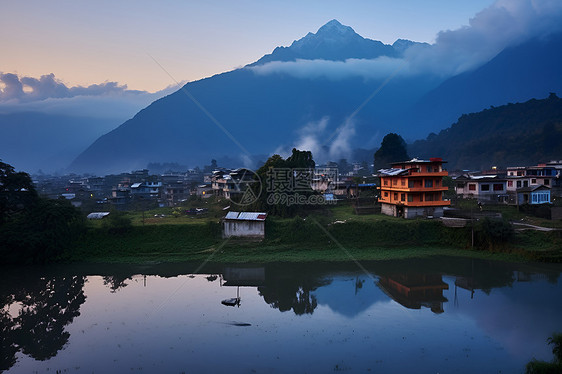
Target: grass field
{"x":334,"y":234}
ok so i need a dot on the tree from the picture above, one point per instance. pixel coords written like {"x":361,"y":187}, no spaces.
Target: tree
{"x":33,"y":229}
{"x":393,"y":149}
{"x":278,"y":177}
{"x":17,"y":192}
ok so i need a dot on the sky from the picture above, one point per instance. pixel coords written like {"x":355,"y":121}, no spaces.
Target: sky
{"x":147,"y":46}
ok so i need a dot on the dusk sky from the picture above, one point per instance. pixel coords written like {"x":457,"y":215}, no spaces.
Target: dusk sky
{"x":84,"y":42}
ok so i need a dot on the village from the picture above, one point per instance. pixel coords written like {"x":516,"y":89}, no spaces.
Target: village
{"x":408,"y":189}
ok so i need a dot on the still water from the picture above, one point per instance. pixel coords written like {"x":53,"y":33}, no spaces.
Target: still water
{"x":438,"y":315}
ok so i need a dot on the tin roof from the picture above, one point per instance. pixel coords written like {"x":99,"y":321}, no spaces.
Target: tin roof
{"x":393,"y":171}
{"x":246,"y":216}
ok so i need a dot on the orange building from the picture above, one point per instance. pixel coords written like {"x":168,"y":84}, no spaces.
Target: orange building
{"x":413,"y":188}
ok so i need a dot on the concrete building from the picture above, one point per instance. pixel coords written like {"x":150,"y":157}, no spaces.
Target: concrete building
{"x":250,"y":225}
{"x":413,"y":188}
{"x":484,"y":188}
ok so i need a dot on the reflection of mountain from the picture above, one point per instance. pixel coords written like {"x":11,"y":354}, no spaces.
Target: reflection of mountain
{"x":520,"y":316}
{"x":416,"y":290}
{"x":33,"y":316}
{"x":349,"y":296}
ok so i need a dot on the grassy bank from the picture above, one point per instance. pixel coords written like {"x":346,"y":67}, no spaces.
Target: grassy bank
{"x":336,"y":237}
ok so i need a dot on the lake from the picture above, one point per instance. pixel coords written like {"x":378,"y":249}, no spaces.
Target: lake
{"x":435,"y":315}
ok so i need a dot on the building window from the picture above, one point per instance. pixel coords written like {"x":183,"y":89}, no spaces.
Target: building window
{"x":403,"y":182}
{"x":386,"y":182}
{"x":386,"y":194}
{"x":437,"y":183}
{"x":394,"y":182}
{"x":509,"y":183}
{"x":533,"y":181}
{"x":472,"y":187}
{"x":428,"y":183}
{"x":518,"y":184}
{"x":498,"y":187}
{"x":428,"y":197}
{"x":547,"y":182}
{"x":403,"y":197}
{"x":395,"y":196}
{"x":485,"y":187}
{"x":410,"y":198}
{"x":410,"y":184}
{"x":429,"y":169}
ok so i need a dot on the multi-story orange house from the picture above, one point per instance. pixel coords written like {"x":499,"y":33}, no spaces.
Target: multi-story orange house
{"x":413,"y":188}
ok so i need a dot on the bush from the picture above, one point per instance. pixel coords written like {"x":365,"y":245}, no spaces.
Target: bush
{"x":117,"y":223}
{"x":42,"y":233}
{"x":543,"y":367}
{"x":493,"y":233}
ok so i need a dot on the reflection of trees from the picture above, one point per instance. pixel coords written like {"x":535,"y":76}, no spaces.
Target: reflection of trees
{"x":291,"y":289}
{"x":116,"y":282}
{"x":34,"y":316}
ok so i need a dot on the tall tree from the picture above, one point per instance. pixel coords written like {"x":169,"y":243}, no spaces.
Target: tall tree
{"x":393,"y":149}
{"x":17,"y":192}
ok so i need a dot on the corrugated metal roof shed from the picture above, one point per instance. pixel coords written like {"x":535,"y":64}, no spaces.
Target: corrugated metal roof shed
{"x":246,"y":216}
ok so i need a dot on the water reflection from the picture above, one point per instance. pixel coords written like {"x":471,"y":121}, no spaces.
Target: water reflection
{"x":34,"y":313}
{"x":416,"y":290}
{"x":38,"y":307}
{"x":291,"y":288}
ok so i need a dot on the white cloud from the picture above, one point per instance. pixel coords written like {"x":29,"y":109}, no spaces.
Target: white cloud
{"x":49,"y":95}
{"x":378,"y":68}
{"x":325,"y":144}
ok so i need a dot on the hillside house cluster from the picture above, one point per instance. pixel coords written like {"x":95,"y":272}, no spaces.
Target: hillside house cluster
{"x":122,"y":191}
{"x":516,"y":185}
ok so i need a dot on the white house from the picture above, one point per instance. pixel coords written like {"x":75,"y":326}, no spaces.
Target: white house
{"x":244,"y":225}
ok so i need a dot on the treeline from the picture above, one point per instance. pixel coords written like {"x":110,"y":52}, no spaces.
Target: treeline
{"x":509,"y":135}
{"x":33,"y":229}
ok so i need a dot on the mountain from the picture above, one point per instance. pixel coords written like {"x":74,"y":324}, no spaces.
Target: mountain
{"x":528,"y":70}
{"x":264,"y":113}
{"x":328,"y":92}
{"x":510,"y":135}
{"x":334,"y":42}
{"x":31,"y":140}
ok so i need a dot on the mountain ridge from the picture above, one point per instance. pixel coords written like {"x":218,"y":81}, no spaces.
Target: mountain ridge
{"x":520,"y":134}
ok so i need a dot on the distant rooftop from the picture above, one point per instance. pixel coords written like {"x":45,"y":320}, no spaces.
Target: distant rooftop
{"x":418,"y":161}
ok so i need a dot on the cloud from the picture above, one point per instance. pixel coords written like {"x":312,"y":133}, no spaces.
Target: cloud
{"x":378,"y":68}
{"x":505,"y":23}
{"x":325,"y":144}
{"x":49,"y":95}
{"x":27,"y":89}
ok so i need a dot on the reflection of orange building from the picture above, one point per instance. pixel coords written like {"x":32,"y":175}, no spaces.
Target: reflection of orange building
{"x":413,"y":188}
{"x":416,"y":290}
